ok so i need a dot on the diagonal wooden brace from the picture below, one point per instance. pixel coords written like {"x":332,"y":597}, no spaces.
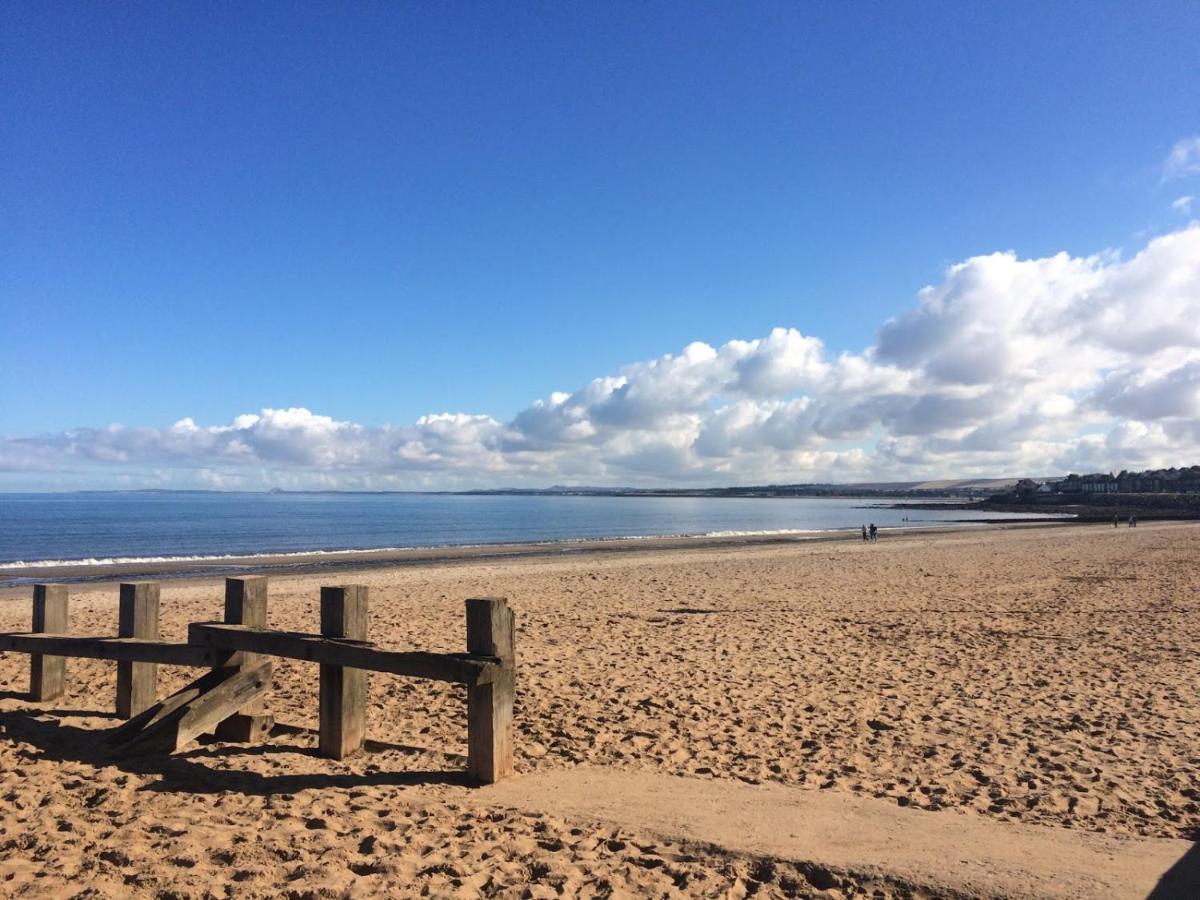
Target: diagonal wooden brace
{"x":195,"y":710}
{"x":130,"y":729}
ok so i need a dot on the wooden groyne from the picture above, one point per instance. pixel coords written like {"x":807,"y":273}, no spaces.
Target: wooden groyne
{"x":230,"y":698}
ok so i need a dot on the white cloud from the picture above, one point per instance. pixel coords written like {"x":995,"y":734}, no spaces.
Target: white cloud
{"x":1150,"y":395}
{"x":1183,"y":160}
{"x":1183,"y":205}
{"x":1005,"y":366}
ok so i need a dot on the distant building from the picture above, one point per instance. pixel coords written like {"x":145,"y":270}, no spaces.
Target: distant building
{"x":1152,"y":481}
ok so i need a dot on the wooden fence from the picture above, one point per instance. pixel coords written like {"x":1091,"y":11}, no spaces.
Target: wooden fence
{"x":230,"y":698}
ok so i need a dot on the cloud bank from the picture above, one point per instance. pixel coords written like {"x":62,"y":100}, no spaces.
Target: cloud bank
{"x":1007,"y":366}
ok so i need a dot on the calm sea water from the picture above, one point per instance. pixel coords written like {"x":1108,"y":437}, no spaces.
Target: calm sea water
{"x":99,"y":527}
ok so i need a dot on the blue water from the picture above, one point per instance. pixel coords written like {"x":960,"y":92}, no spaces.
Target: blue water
{"x":42,"y":527}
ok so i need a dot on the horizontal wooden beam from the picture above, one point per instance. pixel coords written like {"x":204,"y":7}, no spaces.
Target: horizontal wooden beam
{"x":461,"y":668}
{"x":141,"y":650}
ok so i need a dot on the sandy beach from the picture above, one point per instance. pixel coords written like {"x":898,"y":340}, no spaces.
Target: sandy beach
{"x":1036,"y":676}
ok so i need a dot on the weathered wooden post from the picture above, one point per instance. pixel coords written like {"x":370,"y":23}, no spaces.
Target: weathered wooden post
{"x":246,"y":604}
{"x":491,"y":631}
{"x":48,"y":674}
{"x":137,"y":682}
{"x":343,"y":690}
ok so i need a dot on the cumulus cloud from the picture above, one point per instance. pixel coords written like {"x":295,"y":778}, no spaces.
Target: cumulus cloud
{"x":1005,"y":366}
{"x":1183,"y":160}
{"x":1150,"y":395}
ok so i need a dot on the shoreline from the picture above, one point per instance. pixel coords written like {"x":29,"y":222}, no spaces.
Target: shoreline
{"x":302,"y":562}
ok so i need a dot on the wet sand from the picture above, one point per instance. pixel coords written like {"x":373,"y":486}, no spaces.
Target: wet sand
{"x":1044,"y":676}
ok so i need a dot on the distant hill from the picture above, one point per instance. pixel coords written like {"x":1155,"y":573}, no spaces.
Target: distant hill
{"x":961,"y":487}
{"x":943,"y":488}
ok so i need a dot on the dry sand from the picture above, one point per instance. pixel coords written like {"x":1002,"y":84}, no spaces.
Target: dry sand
{"x":1043,"y":676}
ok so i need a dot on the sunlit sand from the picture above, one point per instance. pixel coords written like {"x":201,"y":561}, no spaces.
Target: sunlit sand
{"x":1041,"y":676}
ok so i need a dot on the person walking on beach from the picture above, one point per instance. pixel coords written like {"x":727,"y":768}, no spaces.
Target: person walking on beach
{"x":1115,"y":520}
{"x":864,"y":533}
{"x":1133,"y":521}
{"x":874,"y":533}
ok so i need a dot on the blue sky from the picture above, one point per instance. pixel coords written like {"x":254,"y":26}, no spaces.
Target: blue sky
{"x":386,"y":211}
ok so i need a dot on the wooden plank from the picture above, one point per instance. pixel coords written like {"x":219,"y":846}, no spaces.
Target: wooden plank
{"x":460,"y":668}
{"x":137,"y":682}
{"x":186,"y":721}
{"x":48,"y":674}
{"x":241,"y":689}
{"x":128,"y":730}
{"x":491,"y":631}
{"x":246,"y":604}
{"x":343,"y":708}
{"x":135,"y":650}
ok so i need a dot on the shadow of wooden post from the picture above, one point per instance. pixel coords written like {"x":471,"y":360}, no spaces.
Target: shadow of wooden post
{"x":246,"y":604}
{"x":343,"y":712}
{"x":48,"y":674}
{"x":491,"y":631}
{"x":137,"y":682}
{"x":1182,"y":880}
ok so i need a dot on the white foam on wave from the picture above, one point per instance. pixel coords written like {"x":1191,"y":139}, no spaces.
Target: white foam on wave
{"x":137,"y":560}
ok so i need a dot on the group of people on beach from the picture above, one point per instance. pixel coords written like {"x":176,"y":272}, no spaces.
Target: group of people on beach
{"x":870,"y":534}
{"x":1132,"y":521}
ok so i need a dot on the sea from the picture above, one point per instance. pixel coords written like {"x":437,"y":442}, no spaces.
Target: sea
{"x":39,"y":530}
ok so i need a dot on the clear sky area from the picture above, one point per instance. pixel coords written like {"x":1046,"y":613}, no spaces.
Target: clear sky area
{"x":465,"y":244}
